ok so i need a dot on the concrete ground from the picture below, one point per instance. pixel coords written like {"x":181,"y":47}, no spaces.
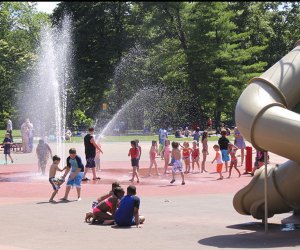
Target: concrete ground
{"x":199,"y":215}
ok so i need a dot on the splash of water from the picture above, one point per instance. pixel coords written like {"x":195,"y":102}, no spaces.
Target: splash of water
{"x":144,"y":100}
{"x":44,"y":98}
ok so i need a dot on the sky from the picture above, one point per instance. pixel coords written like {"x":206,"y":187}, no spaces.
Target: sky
{"x":47,"y":7}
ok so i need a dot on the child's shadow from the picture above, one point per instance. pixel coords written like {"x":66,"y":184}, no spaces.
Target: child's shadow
{"x":55,"y":202}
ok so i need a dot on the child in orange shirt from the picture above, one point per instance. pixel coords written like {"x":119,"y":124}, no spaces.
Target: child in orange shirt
{"x":219,"y":160}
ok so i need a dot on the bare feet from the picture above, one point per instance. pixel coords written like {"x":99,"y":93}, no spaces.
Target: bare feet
{"x":172,"y":181}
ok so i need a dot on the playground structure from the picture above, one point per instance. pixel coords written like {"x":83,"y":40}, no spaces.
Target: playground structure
{"x":263,"y":115}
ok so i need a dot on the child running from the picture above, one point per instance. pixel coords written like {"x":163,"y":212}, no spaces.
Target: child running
{"x":177,"y":165}
{"x":195,"y":156}
{"x":6,"y":144}
{"x":152,"y":154}
{"x":134,"y":153}
{"x":166,"y":152}
{"x":219,"y":160}
{"x":186,"y":152}
{"x":233,"y":160}
{"x":55,"y":182}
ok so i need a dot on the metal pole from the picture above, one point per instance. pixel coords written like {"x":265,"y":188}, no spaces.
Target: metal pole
{"x":266,"y":192}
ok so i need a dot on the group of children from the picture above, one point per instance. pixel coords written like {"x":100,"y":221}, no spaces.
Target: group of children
{"x":226,"y":152}
{"x":190,"y":156}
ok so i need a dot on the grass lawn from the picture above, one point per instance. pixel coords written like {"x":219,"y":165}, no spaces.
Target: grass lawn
{"x":123,"y":138}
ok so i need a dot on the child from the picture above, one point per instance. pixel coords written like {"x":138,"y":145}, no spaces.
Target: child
{"x":103,"y":197}
{"x":166,"y":153}
{"x":195,"y":156}
{"x":219,"y":160}
{"x":97,"y":158}
{"x":105,"y":210}
{"x":55,"y":182}
{"x":177,"y":165}
{"x":186,"y":152}
{"x":7,"y":142}
{"x":43,"y":150}
{"x":75,"y":166}
{"x":204,"y":150}
{"x":152,"y":154}
{"x":233,"y":160}
{"x":140,"y":148}
{"x":259,"y":160}
{"x":223,"y":143}
{"x":134,"y":153}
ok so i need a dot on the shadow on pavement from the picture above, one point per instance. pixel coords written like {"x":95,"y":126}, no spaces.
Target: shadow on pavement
{"x":275,"y":237}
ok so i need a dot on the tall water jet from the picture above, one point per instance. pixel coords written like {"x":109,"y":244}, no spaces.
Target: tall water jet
{"x":44,"y":99}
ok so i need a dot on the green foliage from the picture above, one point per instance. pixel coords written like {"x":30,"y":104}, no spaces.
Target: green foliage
{"x":80,"y":119}
{"x":199,"y":55}
{"x":19,"y":33}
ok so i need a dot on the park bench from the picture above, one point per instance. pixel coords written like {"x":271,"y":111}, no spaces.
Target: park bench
{"x":15,"y":146}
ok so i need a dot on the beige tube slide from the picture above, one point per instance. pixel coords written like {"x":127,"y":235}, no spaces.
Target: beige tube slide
{"x":264,"y":117}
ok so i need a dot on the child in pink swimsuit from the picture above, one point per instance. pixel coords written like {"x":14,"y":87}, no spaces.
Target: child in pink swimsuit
{"x":152,"y":154}
{"x":106,"y":209}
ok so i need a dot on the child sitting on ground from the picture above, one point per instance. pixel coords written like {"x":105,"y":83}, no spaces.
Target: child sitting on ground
{"x":55,"y":182}
{"x":105,"y":210}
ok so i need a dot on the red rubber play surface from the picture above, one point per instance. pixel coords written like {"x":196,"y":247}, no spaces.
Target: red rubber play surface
{"x":21,"y":181}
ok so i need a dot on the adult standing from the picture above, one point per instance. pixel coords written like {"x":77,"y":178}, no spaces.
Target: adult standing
{"x":30,"y":141}
{"x":90,"y":146}
{"x":128,"y":212}
{"x":162,"y":136}
{"x":239,"y":142}
{"x":25,"y":136}
{"x":9,"y":128}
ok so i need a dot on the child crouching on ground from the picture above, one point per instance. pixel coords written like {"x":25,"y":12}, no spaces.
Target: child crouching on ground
{"x":55,"y":182}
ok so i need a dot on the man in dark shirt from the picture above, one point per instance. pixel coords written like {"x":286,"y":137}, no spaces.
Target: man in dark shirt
{"x":128,"y":212}
{"x":223,"y":143}
{"x":90,"y":146}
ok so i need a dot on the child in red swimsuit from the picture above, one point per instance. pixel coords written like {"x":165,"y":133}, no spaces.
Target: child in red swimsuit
{"x":195,"y":156}
{"x":152,"y":154}
{"x":186,"y":152}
